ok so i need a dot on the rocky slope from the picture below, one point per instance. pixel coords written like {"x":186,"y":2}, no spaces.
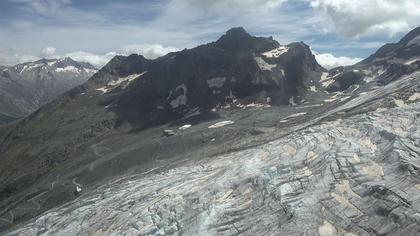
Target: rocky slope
{"x":390,"y":62}
{"x":26,"y":87}
{"x":237,"y":136}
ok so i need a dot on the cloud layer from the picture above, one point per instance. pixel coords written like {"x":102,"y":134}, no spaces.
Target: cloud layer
{"x":151,"y":51}
{"x":329,"y":61}
{"x":8,"y":57}
{"x":235,"y":4}
{"x":356,"y":18}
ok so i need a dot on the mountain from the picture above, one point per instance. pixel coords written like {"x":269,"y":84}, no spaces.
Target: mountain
{"x":26,"y":87}
{"x":236,"y":69}
{"x":390,"y":62}
{"x":238,"y":136}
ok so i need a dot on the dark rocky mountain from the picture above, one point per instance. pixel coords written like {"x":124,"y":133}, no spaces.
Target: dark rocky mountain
{"x":26,"y":87}
{"x":237,"y":136}
{"x":390,"y":62}
{"x":237,"y":68}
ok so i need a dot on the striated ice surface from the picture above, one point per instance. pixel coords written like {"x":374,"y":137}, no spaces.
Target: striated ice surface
{"x":354,"y":176}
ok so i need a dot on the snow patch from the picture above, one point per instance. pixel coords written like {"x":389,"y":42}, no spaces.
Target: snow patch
{"x":295,"y":115}
{"x":115,"y":83}
{"x":102,"y":89}
{"x":368,"y":79}
{"x":345,"y":98}
{"x":324,"y":76}
{"x":221,"y":124}
{"x":30,"y":67}
{"x":253,"y":105}
{"x":263,"y":64}
{"x":355,"y":88}
{"x":181,"y":99}
{"x":23,"y":69}
{"x":326,"y":80}
{"x":330,"y":100}
{"x":184,"y":127}
{"x":51,"y":63}
{"x":411,"y":61}
{"x":275,"y":53}
{"x":78,"y":189}
{"x":309,"y":106}
{"x":90,"y":71}
{"x":313,"y":89}
{"x":125,"y":79}
{"x":68,"y":69}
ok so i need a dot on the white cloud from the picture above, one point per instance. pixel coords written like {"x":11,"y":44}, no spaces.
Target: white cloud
{"x":355,"y":18}
{"x":150,"y":51}
{"x":98,"y":60}
{"x":236,"y":4}
{"x":8,"y":57}
{"x":44,"y":7}
{"x":329,"y":61}
{"x":49,"y":52}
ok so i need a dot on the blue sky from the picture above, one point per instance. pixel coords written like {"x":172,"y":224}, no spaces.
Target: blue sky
{"x":338,"y":31}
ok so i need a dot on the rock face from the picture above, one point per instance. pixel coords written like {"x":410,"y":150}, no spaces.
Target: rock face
{"x":237,"y":68}
{"x":138,"y":150}
{"x":390,"y":62}
{"x":26,"y":87}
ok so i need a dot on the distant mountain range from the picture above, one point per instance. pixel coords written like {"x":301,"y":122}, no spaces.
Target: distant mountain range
{"x":26,"y":87}
{"x":238,"y":136}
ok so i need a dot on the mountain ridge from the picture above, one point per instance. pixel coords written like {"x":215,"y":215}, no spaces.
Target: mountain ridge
{"x":388,"y":63}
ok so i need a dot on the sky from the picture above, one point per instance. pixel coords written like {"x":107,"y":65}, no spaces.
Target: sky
{"x":340,"y":32}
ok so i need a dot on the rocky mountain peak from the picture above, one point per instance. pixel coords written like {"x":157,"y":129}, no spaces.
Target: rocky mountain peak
{"x":234,"y":36}
{"x":120,"y":66}
{"x":238,"y":39}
